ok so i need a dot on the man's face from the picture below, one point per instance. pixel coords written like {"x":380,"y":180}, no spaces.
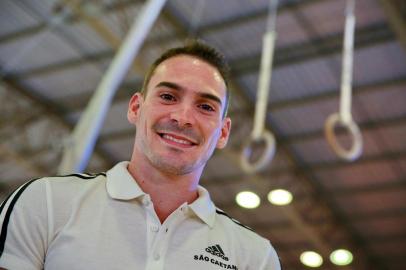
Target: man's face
{"x":179,"y":121}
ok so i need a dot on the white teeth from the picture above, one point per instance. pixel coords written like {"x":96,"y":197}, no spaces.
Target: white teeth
{"x":169,"y":137}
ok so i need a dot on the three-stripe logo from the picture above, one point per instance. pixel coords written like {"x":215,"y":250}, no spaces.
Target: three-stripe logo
{"x":217,"y":251}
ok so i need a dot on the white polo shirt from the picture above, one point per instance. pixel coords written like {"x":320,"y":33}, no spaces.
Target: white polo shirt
{"x":106,"y":221}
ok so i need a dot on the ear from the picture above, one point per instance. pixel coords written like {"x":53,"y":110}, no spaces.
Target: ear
{"x":225,"y":133}
{"x":134,"y":107}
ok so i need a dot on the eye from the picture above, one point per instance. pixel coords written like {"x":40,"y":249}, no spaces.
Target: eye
{"x":207,"y":107}
{"x":167,"y":97}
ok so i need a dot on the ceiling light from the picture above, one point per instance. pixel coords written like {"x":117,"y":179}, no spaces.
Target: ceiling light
{"x":248,"y":199}
{"x":311,"y":259}
{"x":341,"y":257}
{"x":280,"y":197}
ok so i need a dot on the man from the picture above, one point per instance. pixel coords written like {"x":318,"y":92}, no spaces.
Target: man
{"x":149,"y":213}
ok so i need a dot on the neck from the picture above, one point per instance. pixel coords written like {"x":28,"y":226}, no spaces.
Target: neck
{"x":167,"y":191}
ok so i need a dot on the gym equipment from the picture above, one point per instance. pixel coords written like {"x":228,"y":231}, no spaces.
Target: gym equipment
{"x":344,"y":117}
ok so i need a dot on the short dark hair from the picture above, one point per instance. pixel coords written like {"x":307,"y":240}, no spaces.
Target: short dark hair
{"x":200,"y":50}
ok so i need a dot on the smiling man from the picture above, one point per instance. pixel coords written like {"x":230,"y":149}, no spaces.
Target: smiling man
{"x":150,"y":212}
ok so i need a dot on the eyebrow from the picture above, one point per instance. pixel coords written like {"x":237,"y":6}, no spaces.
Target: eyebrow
{"x":180,"y":88}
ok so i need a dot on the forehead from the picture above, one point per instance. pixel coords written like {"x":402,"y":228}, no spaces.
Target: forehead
{"x":189,"y":71}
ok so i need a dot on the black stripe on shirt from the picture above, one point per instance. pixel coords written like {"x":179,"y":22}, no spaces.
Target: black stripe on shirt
{"x":83,"y":176}
{"x":5,"y":202}
{"x":3,"y":234}
{"x":218,"y":211}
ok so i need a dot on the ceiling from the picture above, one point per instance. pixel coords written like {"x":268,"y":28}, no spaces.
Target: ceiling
{"x":53,"y":54}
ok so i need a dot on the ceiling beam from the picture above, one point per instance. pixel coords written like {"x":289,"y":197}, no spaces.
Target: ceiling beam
{"x":366,"y":125}
{"x":262,"y":13}
{"x":377,"y":214}
{"x":67,"y":64}
{"x":100,"y":28}
{"x":389,"y":185}
{"x":370,"y":216}
{"x":110,"y":7}
{"x":395,"y":11}
{"x":69,"y":19}
{"x":76,"y":103}
{"x":327,"y":94}
{"x":56,"y":111}
{"x":328,"y":165}
{"x":29,"y":31}
{"x":367,"y":36}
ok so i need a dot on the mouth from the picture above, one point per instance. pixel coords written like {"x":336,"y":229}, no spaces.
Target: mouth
{"x":177,"y":140}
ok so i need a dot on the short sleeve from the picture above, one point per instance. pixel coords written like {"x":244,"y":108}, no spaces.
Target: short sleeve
{"x":24,"y":225}
{"x":271,"y":261}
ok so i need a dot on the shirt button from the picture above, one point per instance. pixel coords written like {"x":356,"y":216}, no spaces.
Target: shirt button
{"x":157,"y":257}
{"x":154,"y":228}
{"x":146,"y":203}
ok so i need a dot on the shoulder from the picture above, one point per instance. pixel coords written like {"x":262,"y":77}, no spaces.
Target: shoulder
{"x":61,"y":191}
{"x":37,"y":191}
{"x":79,"y":178}
{"x":74,"y":181}
{"x":31,"y":216}
{"x":247,"y":241}
{"x":69,"y":179}
{"x":234,"y":225}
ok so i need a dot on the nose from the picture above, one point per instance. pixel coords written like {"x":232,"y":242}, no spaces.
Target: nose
{"x":183,"y":116}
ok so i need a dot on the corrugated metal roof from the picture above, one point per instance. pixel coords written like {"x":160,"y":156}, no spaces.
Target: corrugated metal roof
{"x":381,"y":62}
{"x":358,"y":175}
{"x":42,"y":49}
{"x":68,"y":82}
{"x":188,"y":9}
{"x":13,"y":18}
{"x":358,"y":204}
{"x":87,"y":39}
{"x":327,"y":17}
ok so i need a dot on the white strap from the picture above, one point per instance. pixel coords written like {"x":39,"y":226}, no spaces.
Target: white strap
{"x":258,"y":132}
{"x":344,"y":117}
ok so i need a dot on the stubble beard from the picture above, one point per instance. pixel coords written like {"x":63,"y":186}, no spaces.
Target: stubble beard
{"x":166,"y":165}
{"x":169,"y":165}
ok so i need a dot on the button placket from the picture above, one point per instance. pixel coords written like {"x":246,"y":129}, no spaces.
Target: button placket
{"x":154,"y":228}
{"x":152,"y":221}
{"x":162,"y":235}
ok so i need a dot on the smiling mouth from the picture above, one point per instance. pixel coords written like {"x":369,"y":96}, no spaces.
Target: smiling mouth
{"x":176,"y":140}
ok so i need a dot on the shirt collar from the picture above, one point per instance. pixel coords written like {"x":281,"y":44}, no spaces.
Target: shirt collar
{"x":122,"y":186}
{"x":203,"y":207}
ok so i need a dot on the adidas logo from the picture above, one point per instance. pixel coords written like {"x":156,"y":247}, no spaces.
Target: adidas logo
{"x":217,"y":251}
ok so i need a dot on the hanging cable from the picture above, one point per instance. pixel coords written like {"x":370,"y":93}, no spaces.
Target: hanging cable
{"x":259,"y":133}
{"x":344,"y":116}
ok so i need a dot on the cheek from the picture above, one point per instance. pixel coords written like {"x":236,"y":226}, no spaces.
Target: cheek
{"x":143,"y":122}
{"x":212,"y":130}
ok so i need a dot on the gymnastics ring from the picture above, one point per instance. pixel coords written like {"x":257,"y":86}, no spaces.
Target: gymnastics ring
{"x":267,"y":155}
{"x":355,"y":151}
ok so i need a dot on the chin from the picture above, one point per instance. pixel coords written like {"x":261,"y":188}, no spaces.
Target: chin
{"x":174,"y":166}
{"x":176,"y":169}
